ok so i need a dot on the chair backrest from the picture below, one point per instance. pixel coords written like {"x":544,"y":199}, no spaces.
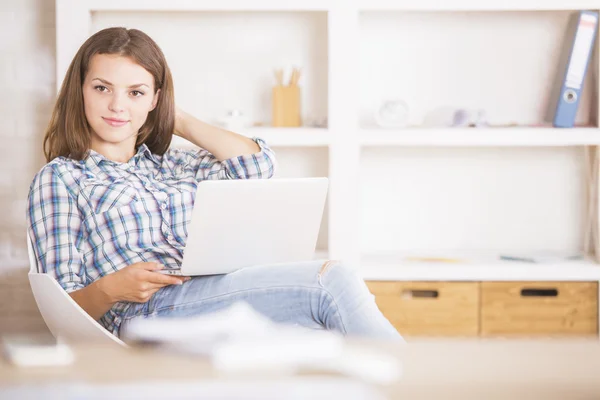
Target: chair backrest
{"x":33,"y":267}
{"x":66,"y":320}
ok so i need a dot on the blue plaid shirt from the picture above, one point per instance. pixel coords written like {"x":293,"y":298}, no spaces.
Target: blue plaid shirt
{"x":93,"y":217}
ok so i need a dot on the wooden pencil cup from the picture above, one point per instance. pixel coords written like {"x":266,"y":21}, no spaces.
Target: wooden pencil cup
{"x":286,"y":106}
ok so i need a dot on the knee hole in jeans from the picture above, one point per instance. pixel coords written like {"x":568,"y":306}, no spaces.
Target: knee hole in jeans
{"x":324,"y":268}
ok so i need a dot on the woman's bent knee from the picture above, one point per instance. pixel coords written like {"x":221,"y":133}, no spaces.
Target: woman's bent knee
{"x":334,"y":274}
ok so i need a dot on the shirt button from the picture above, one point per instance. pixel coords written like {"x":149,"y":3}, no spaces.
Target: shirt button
{"x":163,"y":206}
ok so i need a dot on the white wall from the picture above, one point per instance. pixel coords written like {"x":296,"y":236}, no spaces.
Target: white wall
{"x":472,"y":199}
{"x":27,"y":47}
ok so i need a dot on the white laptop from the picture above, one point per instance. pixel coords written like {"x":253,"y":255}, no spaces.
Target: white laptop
{"x":243,"y":223}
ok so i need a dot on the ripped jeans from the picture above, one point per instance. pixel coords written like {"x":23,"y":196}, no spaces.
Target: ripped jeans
{"x":314,"y":294}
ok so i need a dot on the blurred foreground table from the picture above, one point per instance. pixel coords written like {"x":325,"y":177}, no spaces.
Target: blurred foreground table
{"x":478,"y":369}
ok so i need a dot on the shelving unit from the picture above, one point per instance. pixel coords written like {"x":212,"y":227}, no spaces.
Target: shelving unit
{"x":346,"y":139}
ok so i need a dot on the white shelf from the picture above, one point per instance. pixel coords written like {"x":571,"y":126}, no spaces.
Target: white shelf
{"x":277,"y":137}
{"x":481,"y":269}
{"x":208,"y":5}
{"x":323,"y":5}
{"x":480,"y":137}
{"x":476,"y":5}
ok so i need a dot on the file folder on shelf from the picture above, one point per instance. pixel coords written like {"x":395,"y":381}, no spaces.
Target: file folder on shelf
{"x":573,"y":73}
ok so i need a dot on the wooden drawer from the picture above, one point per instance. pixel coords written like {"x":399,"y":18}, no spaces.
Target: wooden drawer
{"x":429,"y":308}
{"x":539,"y":308}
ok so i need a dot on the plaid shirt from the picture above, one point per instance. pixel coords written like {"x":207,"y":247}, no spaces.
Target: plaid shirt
{"x":93,"y":217}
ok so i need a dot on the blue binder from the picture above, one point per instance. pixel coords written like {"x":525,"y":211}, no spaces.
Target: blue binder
{"x":579,"y":57}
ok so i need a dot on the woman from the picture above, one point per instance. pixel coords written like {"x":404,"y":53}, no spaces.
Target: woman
{"x":111,"y":207}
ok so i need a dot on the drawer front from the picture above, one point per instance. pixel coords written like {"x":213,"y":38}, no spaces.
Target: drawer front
{"x":429,"y":308}
{"x":539,"y":308}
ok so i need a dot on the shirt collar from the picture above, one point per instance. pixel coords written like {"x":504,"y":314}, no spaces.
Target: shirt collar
{"x":145,"y":151}
{"x":95,"y":159}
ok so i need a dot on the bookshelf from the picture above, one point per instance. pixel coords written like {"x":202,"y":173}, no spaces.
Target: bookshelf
{"x":351,"y":145}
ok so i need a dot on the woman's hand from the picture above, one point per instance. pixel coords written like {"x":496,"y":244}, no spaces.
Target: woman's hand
{"x":137,"y":282}
{"x":219,"y":142}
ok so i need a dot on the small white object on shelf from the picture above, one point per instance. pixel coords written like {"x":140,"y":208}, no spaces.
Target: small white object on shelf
{"x":392,"y":114}
{"x":234,"y":120}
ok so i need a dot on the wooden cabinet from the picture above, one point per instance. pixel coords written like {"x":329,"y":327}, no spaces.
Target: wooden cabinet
{"x":429,"y":308}
{"x":489,"y":308}
{"x":539,"y":308}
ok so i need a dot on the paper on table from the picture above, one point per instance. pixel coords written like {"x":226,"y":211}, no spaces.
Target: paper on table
{"x":541,"y":257}
{"x":240,"y":339}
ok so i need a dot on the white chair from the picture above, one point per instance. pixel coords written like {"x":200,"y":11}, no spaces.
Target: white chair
{"x":66,"y":320}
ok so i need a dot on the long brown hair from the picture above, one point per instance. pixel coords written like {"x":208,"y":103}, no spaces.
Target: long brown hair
{"x":69,"y":134}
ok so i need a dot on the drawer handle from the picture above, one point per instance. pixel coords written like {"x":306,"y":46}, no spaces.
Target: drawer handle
{"x":539,"y":292}
{"x":422,"y":294}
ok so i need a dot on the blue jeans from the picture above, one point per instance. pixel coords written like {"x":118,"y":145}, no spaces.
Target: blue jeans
{"x":314,"y":294}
